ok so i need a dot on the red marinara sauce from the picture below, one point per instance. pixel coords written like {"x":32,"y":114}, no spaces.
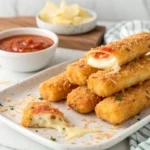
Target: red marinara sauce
{"x":25,"y":43}
{"x":101,"y":54}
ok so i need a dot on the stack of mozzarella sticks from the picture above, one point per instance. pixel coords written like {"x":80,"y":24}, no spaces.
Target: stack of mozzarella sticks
{"x":113,"y":80}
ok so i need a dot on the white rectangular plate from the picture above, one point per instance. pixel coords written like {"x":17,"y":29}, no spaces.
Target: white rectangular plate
{"x":109,"y":135}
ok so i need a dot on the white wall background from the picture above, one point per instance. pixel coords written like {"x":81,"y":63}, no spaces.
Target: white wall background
{"x":112,"y":10}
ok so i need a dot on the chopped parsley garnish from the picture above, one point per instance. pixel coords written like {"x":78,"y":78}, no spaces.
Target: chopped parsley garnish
{"x":63,"y":128}
{"x":29,"y":95}
{"x":118,"y":97}
{"x":1,"y":105}
{"x":31,"y":119}
{"x":40,"y":118}
{"x":11,"y":107}
{"x":36,"y":130}
{"x":52,"y":138}
{"x":40,"y":98}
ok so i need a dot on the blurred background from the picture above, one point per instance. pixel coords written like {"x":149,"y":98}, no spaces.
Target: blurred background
{"x":109,"y":10}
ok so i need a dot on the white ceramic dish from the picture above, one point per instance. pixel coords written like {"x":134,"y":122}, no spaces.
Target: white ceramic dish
{"x":30,"y":61}
{"x":108,"y":136}
{"x":69,"y":29}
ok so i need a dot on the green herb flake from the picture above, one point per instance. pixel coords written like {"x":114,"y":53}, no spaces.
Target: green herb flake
{"x":52,"y":138}
{"x":11,"y":107}
{"x":1,"y":105}
{"x":36,"y":130}
{"x":118,"y":97}
{"x":31,"y":119}
{"x":63,"y":128}
{"x":29,"y":95}
{"x":40,"y":98}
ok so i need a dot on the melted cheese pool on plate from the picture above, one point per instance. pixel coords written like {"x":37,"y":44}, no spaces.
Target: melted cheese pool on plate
{"x":43,"y":115}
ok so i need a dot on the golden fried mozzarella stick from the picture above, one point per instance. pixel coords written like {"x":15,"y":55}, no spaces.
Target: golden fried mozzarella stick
{"x":118,"y":53}
{"x":105,"y":84}
{"x":56,"y":88}
{"x":78,"y":72}
{"x":82,"y":100}
{"x":124,"y":105}
{"x":44,"y":115}
{"x":40,"y":115}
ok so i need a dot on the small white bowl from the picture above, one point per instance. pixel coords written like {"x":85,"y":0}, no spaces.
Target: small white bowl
{"x":69,"y":29}
{"x":29,"y":61}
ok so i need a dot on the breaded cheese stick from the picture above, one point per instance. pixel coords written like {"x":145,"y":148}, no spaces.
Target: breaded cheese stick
{"x":82,"y":99}
{"x":78,"y":72}
{"x":41,"y":115}
{"x":105,"y":84}
{"x":124,"y":105}
{"x":56,"y":88}
{"x":120,"y":52}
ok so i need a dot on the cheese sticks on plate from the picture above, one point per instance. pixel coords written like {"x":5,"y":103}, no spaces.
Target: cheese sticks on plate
{"x":56,"y":88}
{"x":78,"y":72}
{"x":82,"y":99}
{"x":105,"y":84}
{"x":111,"y":56}
{"x":116,"y":54}
{"x":124,"y":105}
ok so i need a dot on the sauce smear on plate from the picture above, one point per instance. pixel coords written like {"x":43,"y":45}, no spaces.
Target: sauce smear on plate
{"x":25,"y":43}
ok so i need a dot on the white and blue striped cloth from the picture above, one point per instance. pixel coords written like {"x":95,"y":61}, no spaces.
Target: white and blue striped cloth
{"x":140,"y":140}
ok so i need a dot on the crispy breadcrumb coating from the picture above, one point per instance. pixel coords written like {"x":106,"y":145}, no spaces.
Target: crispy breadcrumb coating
{"x":124,"y":105}
{"x":82,"y":100}
{"x":127,"y":49}
{"x":56,"y":88}
{"x":79,"y":71}
{"x":35,"y":114}
{"x":105,"y":84}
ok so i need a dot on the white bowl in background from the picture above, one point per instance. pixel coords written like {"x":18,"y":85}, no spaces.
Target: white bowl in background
{"x":28,"y":61}
{"x":69,"y":29}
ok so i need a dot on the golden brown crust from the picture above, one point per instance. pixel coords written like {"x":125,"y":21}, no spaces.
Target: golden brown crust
{"x":124,"y":105}
{"x":82,"y":100}
{"x":127,"y":49}
{"x":56,"y":88}
{"x":79,"y":71}
{"x":34,"y":108}
{"x":105,"y":84}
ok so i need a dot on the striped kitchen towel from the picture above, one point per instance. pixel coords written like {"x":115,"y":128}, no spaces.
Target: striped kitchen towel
{"x":124,"y":29}
{"x":139,"y":140}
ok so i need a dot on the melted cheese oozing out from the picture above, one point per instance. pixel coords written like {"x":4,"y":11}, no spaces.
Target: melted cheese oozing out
{"x":73,"y":132}
{"x":45,"y":120}
{"x":105,"y":63}
{"x":147,"y":54}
